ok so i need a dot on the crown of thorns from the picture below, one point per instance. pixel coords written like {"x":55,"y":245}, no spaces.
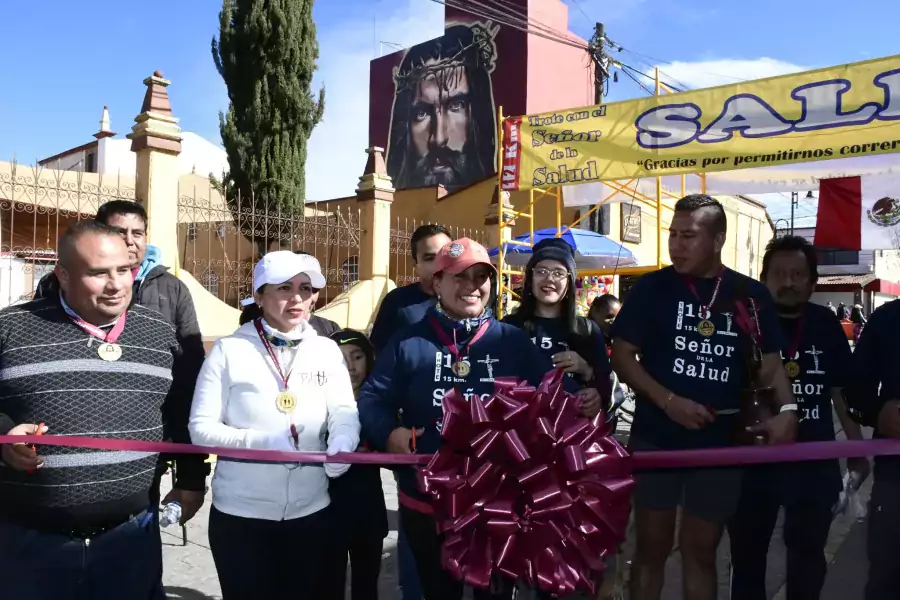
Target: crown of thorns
{"x":482,"y":50}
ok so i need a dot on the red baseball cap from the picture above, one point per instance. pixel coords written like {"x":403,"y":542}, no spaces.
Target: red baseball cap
{"x":459,"y":255}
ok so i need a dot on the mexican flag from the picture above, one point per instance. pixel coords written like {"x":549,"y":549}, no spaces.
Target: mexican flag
{"x":859,"y":213}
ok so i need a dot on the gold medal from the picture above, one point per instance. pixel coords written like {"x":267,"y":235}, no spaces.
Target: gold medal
{"x":109,"y":352}
{"x":792,"y":368}
{"x":460,"y":368}
{"x":286,"y":401}
{"x":706,"y":328}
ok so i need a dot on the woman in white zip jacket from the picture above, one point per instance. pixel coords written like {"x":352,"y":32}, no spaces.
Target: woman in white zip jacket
{"x":276,"y":385}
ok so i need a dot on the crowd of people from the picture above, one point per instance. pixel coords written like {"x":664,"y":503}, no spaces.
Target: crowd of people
{"x":110,"y":347}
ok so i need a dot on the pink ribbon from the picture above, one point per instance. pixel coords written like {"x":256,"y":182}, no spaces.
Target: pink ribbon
{"x":640,"y":461}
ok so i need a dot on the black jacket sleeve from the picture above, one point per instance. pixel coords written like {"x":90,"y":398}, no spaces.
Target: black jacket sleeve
{"x":862,"y":392}
{"x":191,"y":469}
{"x":47,"y":287}
{"x":383,"y":326}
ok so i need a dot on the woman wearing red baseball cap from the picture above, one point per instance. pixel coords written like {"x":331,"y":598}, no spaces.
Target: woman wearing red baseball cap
{"x":459,"y":344}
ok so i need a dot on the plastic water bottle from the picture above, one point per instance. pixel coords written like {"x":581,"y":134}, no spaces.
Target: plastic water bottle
{"x":171,"y":513}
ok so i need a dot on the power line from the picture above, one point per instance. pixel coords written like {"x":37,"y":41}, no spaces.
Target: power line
{"x":516,"y":21}
{"x":577,"y":5}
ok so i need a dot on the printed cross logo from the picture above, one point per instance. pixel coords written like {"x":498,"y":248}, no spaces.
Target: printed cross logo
{"x":321,"y":378}
{"x":488,"y":362}
{"x":885,"y":212}
{"x":814,"y":352}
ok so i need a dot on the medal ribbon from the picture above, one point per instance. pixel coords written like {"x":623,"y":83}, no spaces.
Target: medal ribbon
{"x":798,"y":335}
{"x":108,"y":337}
{"x":749,"y":323}
{"x":451,"y":345}
{"x":268,"y":345}
{"x":708,"y":308}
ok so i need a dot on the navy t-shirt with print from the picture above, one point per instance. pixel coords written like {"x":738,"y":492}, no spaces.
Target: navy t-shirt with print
{"x":660,"y":317}
{"x":823,"y":354}
{"x":551,"y":337}
{"x":414,"y":373}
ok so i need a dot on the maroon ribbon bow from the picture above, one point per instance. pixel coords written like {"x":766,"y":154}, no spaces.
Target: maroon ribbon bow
{"x":527,"y":488}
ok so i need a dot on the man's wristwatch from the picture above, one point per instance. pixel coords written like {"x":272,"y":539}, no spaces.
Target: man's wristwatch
{"x":788,"y":407}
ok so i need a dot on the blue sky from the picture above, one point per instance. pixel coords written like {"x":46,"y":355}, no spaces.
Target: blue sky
{"x":73,"y":58}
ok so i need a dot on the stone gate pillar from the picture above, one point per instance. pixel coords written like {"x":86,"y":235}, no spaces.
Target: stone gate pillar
{"x":156,"y":140}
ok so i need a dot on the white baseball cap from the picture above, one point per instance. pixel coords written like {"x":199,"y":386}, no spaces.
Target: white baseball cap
{"x":280,"y":266}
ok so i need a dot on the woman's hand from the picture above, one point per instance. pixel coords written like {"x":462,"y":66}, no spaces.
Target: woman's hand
{"x":571,"y":362}
{"x":401,"y":440}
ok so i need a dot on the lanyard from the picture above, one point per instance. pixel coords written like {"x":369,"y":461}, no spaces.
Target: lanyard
{"x":451,"y":345}
{"x":268,"y":345}
{"x":705,"y":310}
{"x":109,"y":337}
{"x":798,"y":335}
{"x":749,"y":323}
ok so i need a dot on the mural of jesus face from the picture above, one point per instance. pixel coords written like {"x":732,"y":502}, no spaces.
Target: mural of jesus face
{"x":439,"y":125}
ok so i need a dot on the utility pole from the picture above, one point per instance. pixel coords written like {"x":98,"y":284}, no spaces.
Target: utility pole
{"x":597,"y":51}
{"x":795,"y":199}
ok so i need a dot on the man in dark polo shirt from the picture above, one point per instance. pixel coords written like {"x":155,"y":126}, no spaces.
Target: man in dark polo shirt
{"x":680,"y":341}
{"x":79,"y":523}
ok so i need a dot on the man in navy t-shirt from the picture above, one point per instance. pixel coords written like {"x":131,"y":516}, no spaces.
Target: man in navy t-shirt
{"x":682,"y":342}
{"x":406,"y":305}
{"x":817,"y":360}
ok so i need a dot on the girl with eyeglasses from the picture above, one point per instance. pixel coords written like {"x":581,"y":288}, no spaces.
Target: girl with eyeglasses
{"x":548,"y":315}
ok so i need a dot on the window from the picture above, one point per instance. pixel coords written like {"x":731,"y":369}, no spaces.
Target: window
{"x":210,"y":281}
{"x":192,"y":231}
{"x":349,"y":272}
{"x":90,"y":165}
{"x":837,"y":257}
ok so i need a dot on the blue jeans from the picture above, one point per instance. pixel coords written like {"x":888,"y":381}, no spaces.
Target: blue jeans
{"x":124,"y":562}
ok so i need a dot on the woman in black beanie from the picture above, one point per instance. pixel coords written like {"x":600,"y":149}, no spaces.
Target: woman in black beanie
{"x":357,"y":497}
{"x":548,"y":314}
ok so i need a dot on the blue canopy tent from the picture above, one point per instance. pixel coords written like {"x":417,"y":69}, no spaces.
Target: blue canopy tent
{"x":593,"y":251}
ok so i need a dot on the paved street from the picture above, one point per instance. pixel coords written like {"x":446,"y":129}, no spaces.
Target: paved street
{"x":191,"y":575}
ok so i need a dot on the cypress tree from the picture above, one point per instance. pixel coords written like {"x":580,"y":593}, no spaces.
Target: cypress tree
{"x":266,"y":54}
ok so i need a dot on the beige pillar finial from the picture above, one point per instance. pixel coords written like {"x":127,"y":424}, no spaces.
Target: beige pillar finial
{"x":156,"y":139}
{"x":375,"y":194}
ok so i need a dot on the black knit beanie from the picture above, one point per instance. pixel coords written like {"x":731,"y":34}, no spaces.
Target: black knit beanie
{"x":553,"y":249}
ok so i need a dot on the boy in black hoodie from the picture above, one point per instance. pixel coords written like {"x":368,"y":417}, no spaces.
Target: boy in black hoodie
{"x":357,"y":498}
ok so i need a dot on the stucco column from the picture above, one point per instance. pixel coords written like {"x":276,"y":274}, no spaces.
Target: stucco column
{"x":375,"y":194}
{"x":156,"y":140}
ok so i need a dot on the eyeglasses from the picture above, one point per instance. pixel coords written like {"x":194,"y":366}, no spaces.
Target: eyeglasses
{"x":555,"y":274}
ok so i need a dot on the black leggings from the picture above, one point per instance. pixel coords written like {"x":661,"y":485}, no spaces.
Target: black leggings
{"x":274,"y":560}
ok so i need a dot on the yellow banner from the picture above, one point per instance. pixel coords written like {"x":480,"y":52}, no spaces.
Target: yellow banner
{"x":839,"y":112}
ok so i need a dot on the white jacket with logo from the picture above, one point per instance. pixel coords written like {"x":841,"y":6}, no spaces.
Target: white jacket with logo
{"x":234,"y":406}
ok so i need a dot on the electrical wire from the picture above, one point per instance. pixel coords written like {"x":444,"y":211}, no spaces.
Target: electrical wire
{"x":515,"y":21}
{"x":641,"y":85}
{"x":577,"y":4}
